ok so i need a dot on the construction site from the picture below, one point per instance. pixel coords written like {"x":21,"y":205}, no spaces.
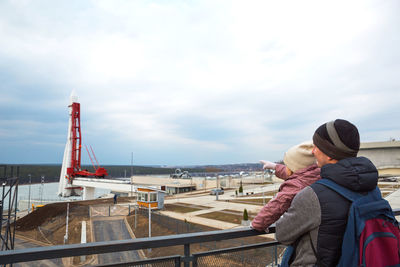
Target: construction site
{"x":105,"y":220}
{"x":46,"y":226}
{"x":151,"y":207}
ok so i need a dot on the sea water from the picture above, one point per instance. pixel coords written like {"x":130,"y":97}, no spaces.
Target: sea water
{"x":42,"y":194}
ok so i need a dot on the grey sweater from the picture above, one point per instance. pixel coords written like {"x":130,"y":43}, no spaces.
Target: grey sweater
{"x":301,"y":221}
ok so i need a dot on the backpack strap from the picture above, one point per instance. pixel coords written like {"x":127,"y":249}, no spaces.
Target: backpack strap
{"x":346,"y":193}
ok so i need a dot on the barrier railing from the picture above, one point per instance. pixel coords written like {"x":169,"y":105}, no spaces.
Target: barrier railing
{"x":53,"y":252}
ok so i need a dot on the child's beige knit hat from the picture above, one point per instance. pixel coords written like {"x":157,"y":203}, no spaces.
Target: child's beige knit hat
{"x":299,"y":156}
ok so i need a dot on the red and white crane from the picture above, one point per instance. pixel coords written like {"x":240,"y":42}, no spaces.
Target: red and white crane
{"x":71,"y":166}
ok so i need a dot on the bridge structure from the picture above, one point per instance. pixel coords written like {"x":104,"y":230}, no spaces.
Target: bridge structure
{"x":90,"y":184}
{"x":170,"y":185}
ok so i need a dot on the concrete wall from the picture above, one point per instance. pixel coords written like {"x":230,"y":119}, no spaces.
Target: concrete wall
{"x":384,"y":155}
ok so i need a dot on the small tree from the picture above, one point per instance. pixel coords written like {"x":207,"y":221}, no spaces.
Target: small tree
{"x":245,"y":215}
{"x":241,"y":187}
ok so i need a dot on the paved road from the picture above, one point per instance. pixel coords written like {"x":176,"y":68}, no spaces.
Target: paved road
{"x":21,"y":244}
{"x":106,"y":230}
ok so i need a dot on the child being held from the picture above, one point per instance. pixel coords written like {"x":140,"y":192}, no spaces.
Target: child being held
{"x":299,"y":171}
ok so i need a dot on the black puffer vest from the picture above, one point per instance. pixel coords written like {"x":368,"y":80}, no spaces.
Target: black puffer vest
{"x":357,"y":174}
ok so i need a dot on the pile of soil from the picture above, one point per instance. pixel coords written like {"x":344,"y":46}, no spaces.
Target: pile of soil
{"x":48,"y":212}
{"x":47,"y":223}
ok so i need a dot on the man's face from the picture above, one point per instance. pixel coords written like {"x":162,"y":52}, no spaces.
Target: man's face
{"x":321,"y":158}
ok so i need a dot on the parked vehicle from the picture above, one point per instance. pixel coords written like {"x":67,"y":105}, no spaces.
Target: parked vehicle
{"x":214,"y":191}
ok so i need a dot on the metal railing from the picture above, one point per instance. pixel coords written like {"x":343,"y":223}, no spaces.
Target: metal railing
{"x":60,"y":251}
{"x":53,"y":252}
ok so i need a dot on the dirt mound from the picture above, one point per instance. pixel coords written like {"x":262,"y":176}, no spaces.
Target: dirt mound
{"x":48,"y":212}
{"x":40,"y":216}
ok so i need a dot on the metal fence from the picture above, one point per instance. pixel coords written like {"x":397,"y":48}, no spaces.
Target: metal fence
{"x":110,"y":210}
{"x":260,"y":257}
{"x":186,"y":240}
{"x":263,"y":254}
{"x":172,"y":224}
{"x":155,"y":262}
{"x":217,"y":257}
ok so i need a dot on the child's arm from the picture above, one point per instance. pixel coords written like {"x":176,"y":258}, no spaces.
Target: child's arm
{"x":280,"y":171}
{"x":271,"y":212}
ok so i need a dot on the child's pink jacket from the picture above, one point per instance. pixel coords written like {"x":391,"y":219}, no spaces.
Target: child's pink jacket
{"x":271,"y":212}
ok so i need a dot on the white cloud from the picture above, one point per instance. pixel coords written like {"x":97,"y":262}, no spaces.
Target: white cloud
{"x":241,"y":80}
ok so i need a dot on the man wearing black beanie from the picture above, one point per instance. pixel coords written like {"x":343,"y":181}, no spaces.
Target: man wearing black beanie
{"x":317,"y":217}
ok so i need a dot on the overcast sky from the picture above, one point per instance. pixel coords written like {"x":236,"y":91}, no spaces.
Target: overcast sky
{"x":194,"y":82}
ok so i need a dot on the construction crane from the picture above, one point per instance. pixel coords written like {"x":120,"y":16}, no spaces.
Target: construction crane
{"x":99,"y":171}
{"x":71,"y":166}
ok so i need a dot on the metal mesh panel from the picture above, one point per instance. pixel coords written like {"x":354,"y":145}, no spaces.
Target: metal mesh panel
{"x":155,"y":262}
{"x":266,"y":256}
{"x":167,"y":263}
{"x":48,"y":263}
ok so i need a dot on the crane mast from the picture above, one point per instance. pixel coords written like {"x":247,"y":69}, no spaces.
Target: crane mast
{"x":76,"y":141}
{"x":71,"y":166}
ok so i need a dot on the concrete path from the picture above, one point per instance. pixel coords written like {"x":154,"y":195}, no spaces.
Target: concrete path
{"x":394,"y":199}
{"x":22,"y":242}
{"x":113,"y":229}
{"x":220,"y":205}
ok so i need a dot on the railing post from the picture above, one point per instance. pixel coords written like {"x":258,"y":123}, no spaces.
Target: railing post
{"x":177,"y":262}
{"x":186,"y":258}
{"x":194,"y":261}
{"x":135,"y":217}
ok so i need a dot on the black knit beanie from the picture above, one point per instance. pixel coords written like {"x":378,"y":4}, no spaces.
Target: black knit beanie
{"x":337,"y":139}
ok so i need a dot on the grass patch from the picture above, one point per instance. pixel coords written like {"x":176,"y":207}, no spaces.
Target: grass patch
{"x":226,"y":216}
{"x":236,"y":212}
{"x":387,"y":186}
{"x":183,"y":208}
{"x":254,"y":201}
{"x":266,"y":194}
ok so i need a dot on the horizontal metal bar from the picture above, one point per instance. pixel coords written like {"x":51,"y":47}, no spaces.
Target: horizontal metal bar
{"x":141,"y":262}
{"x":234,"y":249}
{"x":51,"y":252}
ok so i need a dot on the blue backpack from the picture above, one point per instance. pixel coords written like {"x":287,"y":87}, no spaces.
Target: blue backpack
{"x":372,"y":235}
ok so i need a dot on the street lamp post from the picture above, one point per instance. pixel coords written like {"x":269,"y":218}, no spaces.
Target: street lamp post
{"x":148,"y":198}
{"x":148,"y":194}
{"x":66,"y":226}
{"x":41,"y":189}
{"x":29,"y":195}
{"x":263,"y":187}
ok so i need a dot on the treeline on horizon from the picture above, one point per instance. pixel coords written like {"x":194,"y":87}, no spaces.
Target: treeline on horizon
{"x":51,"y":172}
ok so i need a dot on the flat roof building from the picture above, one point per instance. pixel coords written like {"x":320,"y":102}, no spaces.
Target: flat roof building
{"x":150,"y":197}
{"x":384,"y":155}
